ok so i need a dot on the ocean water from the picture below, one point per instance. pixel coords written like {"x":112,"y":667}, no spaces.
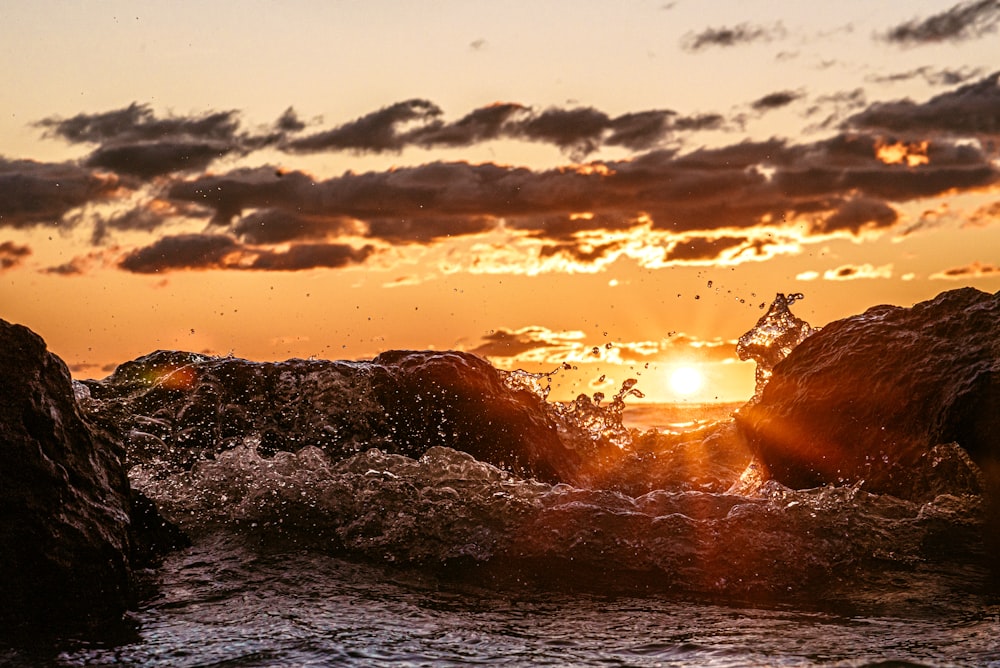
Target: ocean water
{"x":224,"y":603}
{"x":443,"y":560}
{"x":676,"y":555}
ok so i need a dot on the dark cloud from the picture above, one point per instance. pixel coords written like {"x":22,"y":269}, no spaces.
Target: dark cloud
{"x":840,"y":184}
{"x":933,"y":76}
{"x":388,"y":129}
{"x":702,"y":248}
{"x":310,"y":256}
{"x":134,"y":141}
{"x":775,"y":100}
{"x":289,"y":122}
{"x":967,"y":20}
{"x":973,"y":270}
{"x":578,"y":131}
{"x":985,"y":215}
{"x":74,"y":267}
{"x":38,"y":193}
{"x":149,"y":159}
{"x":640,"y":131}
{"x":483,"y":124}
{"x":836,"y":106}
{"x":743,"y":33}
{"x":566,"y":226}
{"x":970,"y":110}
{"x":275,"y":226}
{"x":144,"y":218}
{"x":137,"y":122}
{"x":184,"y":251}
{"x":216,"y":251}
{"x":427,"y":229}
{"x":582,"y":253}
{"x":858,"y":213}
{"x":12,"y":254}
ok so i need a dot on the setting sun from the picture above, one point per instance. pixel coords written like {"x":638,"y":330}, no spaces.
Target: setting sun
{"x":686,"y":380}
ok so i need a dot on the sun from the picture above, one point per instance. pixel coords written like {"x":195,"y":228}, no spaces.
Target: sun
{"x":686,"y":380}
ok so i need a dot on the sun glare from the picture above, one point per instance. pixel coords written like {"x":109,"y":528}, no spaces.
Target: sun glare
{"x":686,"y":380}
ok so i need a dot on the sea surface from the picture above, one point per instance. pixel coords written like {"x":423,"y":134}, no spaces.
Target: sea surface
{"x":444,"y":560}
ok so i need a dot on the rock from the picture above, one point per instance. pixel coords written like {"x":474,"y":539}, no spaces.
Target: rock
{"x":64,"y":497}
{"x":176,"y":408}
{"x":868,"y":397}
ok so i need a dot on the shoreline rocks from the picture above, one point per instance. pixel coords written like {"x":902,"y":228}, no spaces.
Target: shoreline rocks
{"x":865,"y":399}
{"x":64,"y":497}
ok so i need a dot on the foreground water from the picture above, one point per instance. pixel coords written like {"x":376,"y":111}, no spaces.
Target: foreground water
{"x":832,"y":576}
{"x":225,"y":603}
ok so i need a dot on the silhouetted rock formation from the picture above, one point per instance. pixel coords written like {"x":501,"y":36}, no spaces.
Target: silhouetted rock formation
{"x":868,"y":397}
{"x":64,"y":497}
{"x":176,"y":408}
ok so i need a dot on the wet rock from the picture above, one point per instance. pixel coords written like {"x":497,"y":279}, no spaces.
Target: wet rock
{"x":460,"y":401}
{"x":64,"y":497}
{"x":177,"y":408}
{"x":868,"y":397}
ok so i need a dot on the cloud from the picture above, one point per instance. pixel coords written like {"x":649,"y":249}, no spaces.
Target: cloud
{"x":967,"y":20}
{"x":184,"y":251}
{"x":743,"y":33}
{"x":12,"y":254}
{"x":972,"y":110}
{"x":858,"y":213}
{"x":530,"y":344}
{"x":694,"y":249}
{"x":483,"y":124}
{"x":382,"y":130}
{"x":775,"y":100}
{"x":309,"y":256}
{"x":146,"y":217}
{"x":428,"y":229}
{"x":149,"y":159}
{"x":38,"y":193}
{"x":541,"y":345}
{"x":579,"y":131}
{"x":849,"y":272}
{"x":985,"y":215}
{"x":933,"y":76}
{"x":973,"y":270}
{"x":133,"y":141}
{"x":216,"y":251}
{"x":698,"y":201}
{"x":275,"y":226}
{"x":137,"y":122}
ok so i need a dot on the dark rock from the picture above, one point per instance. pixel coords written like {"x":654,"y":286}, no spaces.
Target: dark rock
{"x":64,"y":497}
{"x":868,"y":397}
{"x":460,"y":401}
{"x":177,"y":408}
{"x":153,"y":537}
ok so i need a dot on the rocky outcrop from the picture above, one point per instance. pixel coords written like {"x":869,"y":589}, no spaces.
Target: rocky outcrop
{"x":176,"y":408}
{"x":64,"y":497}
{"x":868,"y":397}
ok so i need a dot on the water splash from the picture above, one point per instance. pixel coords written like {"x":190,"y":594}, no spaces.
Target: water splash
{"x":774,"y":336}
{"x":600,"y":423}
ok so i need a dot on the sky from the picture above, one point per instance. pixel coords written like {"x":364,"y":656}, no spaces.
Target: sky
{"x":613,"y":190}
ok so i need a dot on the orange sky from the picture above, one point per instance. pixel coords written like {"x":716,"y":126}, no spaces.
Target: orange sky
{"x":619,"y":188}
